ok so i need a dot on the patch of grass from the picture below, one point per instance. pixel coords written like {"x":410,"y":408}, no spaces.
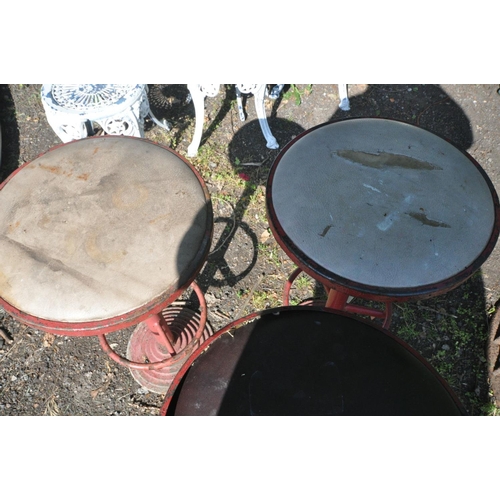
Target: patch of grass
{"x":162,"y":136}
{"x":490,"y":409}
{"x":271,"y":252}
{"x":294,"y":92}
{"x":451,"y":332}
{"x":265,"y":299}
{"x":303,"y":282}
{"x":408,"y":329}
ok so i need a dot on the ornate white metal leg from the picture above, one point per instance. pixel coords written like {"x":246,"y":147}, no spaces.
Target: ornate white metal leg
{"x":122,"y":124}
{"x":198,"y":93}
{"x":276,"y":91}
{"x":66,"y":128}
{"x":344,"y":100}
{"x":239,"y":103}
{"x":259,"y":96}
{"x":259,"y":92}
{"x":145,"y":110}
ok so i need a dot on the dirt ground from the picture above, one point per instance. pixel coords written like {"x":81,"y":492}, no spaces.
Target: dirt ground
{"x":43,"y":374}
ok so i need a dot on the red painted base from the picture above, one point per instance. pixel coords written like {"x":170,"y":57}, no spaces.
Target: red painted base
{"x":144,"y":347}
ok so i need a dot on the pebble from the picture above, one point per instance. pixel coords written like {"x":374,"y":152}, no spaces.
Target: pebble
{"x":445,"y":347}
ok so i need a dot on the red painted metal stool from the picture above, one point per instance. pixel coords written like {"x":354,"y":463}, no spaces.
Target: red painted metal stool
{"x":104,"y":233}
{"x":380,"y":210}
{"x":305,"y":360}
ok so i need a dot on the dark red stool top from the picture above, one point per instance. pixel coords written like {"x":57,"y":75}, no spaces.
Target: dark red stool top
{"x":308,"y":361}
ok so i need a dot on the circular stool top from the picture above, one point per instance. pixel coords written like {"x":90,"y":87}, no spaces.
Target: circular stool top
{"x":100,"y":228}
{"x":305,"y":361}
{"x":381,"y":207}
{"x":82,"y":98}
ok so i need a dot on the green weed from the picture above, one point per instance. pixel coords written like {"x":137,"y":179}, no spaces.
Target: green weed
{"x":295,"y":93}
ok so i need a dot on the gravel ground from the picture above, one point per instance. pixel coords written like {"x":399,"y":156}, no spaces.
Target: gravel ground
{"x":43,"y":374}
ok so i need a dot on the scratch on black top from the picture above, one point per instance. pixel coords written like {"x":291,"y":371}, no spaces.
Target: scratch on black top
{"x":327,"y":228}
{"x":426,"y":221}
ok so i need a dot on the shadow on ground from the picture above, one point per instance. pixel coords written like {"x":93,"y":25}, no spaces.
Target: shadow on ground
{"x":9,"y":156}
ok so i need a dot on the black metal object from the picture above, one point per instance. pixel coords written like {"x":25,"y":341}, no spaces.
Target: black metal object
{"x":308,"y":361}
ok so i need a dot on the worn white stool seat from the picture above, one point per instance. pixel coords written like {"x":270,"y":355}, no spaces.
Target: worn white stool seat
{"x":105,"y":227}
{"x":119,"y":109}
{"x":201,"y":90}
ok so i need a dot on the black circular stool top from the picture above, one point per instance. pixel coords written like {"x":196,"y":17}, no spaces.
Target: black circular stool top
{"x":382,"y":207}
{"x":309,"y":361}
{"x":98,"y":229}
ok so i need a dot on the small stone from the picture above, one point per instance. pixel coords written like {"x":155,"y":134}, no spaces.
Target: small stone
{"x":445,"y":347}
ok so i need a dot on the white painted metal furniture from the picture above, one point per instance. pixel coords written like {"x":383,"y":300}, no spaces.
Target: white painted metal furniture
{"x":119,"y":109}
{"x":201,"y":90}
{"x":344,"y":99}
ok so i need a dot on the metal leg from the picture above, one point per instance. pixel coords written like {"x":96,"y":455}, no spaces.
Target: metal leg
{"x":276,"y":91}
{"x":67,"y":129}
{"x":340,"y":301}
{"x":344,"y":100}
{"x":288,"y":286}
{"x":124,"y":124}
{"x":239,"y":101}
{"x":145,"y":111}
{"x":336,"y":300}
{"x":198,"y":93}
{"x":259,"y":96}
{"x":156,"y":332}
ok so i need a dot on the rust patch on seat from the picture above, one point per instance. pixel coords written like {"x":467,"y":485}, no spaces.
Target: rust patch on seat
{"x":55,"y":170}
{"x":386,"y":160}
{"x":12,"y":227}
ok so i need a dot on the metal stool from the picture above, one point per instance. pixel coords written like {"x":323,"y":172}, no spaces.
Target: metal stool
{"x":102,"y":234}
{"x":380,"y":210}
{"x":307,"y":361}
